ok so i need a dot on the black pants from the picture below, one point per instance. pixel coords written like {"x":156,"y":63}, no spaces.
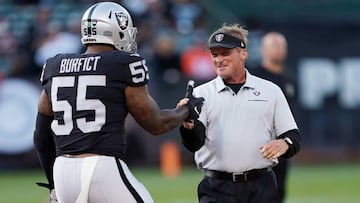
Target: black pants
{"x":262,"y":189}
{"x":281,"y":174}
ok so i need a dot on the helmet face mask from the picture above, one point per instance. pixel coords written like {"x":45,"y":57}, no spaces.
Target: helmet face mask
{"x":109,"y":23}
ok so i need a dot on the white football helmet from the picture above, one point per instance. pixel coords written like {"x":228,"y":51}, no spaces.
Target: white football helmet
{"x":108,"y":23}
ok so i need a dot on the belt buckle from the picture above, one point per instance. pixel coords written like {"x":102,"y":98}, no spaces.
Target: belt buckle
{"x":236,"y":174}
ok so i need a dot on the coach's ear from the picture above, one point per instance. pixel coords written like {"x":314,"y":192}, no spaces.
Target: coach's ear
{"x":243,"y":53}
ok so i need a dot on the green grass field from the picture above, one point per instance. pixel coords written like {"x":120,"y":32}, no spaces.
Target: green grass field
{"x":306,"y":184}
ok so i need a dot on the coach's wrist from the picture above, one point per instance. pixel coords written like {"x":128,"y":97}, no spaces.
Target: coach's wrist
{"x":288,"y":141}
{"x":289,"y":145}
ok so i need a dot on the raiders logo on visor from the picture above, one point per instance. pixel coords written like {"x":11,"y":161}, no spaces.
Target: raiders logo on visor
{"x":225,"y":40}
{"x":219,"y":37}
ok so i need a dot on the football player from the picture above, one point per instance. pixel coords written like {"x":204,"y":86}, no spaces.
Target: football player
{"x":80,"y":135}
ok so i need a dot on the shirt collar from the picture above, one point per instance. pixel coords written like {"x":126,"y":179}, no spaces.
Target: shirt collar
{"x":249,"y":83}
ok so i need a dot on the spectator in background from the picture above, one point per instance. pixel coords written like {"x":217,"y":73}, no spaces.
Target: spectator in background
{"x":254,"y":48}
{"x":274,"y":52}
{"x":184,"y":14}
{"x":8,"y":48}
{"x":35,"y":34}
{"x":196,"y":63}
{"x":153,"y":22}
{"x":54,"y":44}
{"x":166,"y":59}
{"x":39,"y":28}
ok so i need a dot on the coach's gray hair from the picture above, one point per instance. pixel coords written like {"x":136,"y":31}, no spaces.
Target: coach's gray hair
{"x":235,"y":30}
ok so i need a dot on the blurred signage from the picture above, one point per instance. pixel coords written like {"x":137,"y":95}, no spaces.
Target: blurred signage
{"x":18,"y":108}
{"x":320,"y":78}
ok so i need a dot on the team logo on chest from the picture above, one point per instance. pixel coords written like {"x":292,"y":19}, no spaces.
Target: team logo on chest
{"x":256,"y":93}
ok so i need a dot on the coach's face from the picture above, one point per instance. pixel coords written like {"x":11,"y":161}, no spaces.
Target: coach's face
{"x":229,"y":64}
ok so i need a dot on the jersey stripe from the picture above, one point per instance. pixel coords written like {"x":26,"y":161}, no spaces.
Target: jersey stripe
{"x":127,"y":183}
{"x":89,"y":19}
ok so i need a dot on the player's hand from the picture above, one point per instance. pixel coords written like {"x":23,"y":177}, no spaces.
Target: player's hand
{"x":274,"y":149}
{"x":182,"y":102}
{"x":189,"y":123}
{"x":53,"y":198}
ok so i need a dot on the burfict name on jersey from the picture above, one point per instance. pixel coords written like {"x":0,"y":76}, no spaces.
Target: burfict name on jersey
{"x":73,"y":65}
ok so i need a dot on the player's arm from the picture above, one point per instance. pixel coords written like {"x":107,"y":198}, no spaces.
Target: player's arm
{"x":148,"y":114}
{"x":43,"y":139}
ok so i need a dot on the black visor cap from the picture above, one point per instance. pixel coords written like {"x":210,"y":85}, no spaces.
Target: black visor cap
{"x":225,"y":40}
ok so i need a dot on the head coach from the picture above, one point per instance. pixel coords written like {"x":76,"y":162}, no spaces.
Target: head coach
{"x":245,"y":125}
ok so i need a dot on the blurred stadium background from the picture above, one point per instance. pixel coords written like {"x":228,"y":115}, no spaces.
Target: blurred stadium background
{"x":324,"y":59}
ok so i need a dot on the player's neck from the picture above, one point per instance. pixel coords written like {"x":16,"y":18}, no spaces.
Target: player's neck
{"x":94,"y":49}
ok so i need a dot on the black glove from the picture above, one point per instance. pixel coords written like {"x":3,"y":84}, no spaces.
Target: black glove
{"x":53,"y":198}
{"x":194,"y":105}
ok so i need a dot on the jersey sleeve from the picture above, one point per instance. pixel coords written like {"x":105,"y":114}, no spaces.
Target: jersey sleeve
{"x":43,"y":76}
{"x":133,"y":70}
{"x":283,"y":118}
{"x":46,"y":74}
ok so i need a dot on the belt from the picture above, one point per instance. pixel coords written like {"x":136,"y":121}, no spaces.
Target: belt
{"x":79,"y":155}
{"x":238,"y":177}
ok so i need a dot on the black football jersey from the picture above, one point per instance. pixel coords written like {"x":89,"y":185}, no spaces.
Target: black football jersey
{"x":88,"y":100}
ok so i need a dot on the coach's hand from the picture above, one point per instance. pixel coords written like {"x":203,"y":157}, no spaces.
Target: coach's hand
{"x":53,"y":198}
{"x":194,"y":104}
{"x":274,"y":149}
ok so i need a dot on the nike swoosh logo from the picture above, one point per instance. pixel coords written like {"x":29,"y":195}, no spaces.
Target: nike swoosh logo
{"x":196,"y":110}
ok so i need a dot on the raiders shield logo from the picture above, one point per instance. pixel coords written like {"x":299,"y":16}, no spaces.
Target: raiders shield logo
{"x":219,"y":37}
{"x":122,"y":20}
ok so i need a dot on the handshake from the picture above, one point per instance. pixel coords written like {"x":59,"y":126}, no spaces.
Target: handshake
{"x":194,"y":103}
